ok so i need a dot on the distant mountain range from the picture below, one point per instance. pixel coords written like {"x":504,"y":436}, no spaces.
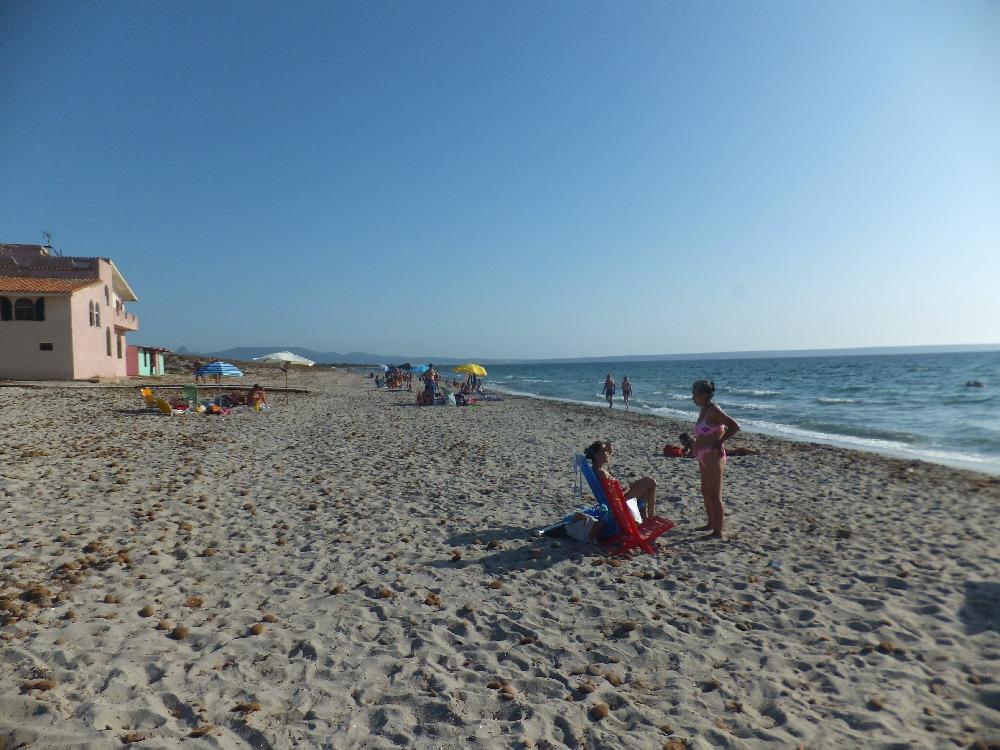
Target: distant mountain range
{"x":246,"y":353}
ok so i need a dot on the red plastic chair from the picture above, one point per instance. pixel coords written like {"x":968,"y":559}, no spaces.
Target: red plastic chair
{"x":631,"y":535}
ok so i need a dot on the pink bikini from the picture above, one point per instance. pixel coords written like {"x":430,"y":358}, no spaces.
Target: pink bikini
{"x":704,"y":429}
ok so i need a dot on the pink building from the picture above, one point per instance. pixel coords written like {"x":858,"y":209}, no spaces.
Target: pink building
{"x":61,"y":318}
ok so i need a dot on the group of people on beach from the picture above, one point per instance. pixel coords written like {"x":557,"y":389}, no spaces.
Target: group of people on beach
{"x":712,"y":430}
{"x":609,"y":390}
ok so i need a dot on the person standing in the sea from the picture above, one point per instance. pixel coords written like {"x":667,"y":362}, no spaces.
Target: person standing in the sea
{"x":609,"y":389}
{"x":626,"y":391}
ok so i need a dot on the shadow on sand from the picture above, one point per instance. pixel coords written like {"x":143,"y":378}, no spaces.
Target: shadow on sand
{"x":487,"y":548}
{"x":981,"y":610}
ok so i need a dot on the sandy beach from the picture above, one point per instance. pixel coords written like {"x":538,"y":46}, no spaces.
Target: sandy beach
{"x":348,"y":570}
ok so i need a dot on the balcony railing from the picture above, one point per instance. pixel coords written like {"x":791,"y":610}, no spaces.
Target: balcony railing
{"x":126,"y":321}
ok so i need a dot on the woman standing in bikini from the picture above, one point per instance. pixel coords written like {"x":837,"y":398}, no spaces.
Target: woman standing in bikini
{"x":713,"y":428}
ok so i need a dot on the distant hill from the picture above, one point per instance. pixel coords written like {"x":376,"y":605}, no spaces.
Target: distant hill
{"x":246,"y":353}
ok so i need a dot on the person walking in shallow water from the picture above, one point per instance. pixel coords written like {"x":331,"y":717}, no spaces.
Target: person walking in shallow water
{"x":712,"y":429}
{"x":609,"y":389}
{"x":626,"y":391}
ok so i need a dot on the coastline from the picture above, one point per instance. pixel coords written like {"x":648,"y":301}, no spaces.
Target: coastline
{"x":385,"y":551}
{"x":748,"y":427}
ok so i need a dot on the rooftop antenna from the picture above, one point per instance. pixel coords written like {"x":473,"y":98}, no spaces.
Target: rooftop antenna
{"x":47,"y":236}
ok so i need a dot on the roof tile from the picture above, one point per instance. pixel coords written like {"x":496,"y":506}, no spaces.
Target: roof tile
{"x":18,"y":284}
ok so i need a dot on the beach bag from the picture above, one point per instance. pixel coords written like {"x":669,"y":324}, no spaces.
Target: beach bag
{"x":581,"y":528}
{"x":673,"y":451}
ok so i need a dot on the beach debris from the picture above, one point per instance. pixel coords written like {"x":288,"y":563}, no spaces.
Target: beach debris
{"x":257,"y":629}
{"x":338,"y":589}
{"x":599,"y":711}
{"x":110,"y":599}
{"x":433,"y":600}
{"x":586,"y":687}
{"x":132,"y":738}
{"x":622,"y":629}
{"x":40,"y":685}
{"x":614,"y":678}
{"x":38,"y":595}
{"x":146,"y":611}
{"x":193,"y":602}
{"x":180,"y":632}
{"x":667,"y":728}
{"x":384,"y":592}
{"x":875,"y":704}
{"x":201,"y":731}
{"x":245,"y":708}
{"x":269,"y":618}
{"x":508,"y":693}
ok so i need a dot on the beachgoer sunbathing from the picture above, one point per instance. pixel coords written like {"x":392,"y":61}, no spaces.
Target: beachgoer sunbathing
{"x":236,"y":398}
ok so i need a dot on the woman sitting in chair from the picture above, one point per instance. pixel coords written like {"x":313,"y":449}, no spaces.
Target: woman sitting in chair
{"x":599,"y":454}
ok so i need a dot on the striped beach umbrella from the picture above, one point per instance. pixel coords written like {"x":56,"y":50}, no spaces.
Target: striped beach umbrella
{"x":219,"y":369}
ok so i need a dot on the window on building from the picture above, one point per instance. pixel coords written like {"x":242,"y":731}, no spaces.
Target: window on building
{"x":24,"y":309}
{"x":119,"y":344}
{"x":6,"y":309}
{"x":107,"y":296}
{"x":90,"y":309}
{"x":107,"y":336}
{"x":97,"y":315}
{"x":45,"y":347}
{"x":40,"y":308}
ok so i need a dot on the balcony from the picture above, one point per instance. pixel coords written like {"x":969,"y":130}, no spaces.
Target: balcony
{"x":125,"y":321}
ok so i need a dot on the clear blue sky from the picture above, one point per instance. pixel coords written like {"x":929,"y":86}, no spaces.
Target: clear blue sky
{"x":517,"y":179}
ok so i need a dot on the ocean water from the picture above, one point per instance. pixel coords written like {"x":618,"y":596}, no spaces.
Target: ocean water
{"x":907,"y":405}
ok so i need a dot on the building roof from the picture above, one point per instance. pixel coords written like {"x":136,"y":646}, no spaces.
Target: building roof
{"x":38,"y":261}
{"x":27,"y":285}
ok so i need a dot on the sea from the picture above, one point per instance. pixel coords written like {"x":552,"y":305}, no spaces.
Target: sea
{"x":916,"y":406}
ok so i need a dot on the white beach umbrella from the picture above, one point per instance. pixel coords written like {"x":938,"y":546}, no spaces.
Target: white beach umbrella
{"x":294,"y":359}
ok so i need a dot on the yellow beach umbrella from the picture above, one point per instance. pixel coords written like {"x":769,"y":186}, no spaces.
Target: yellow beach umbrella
{"x":471,"y":368}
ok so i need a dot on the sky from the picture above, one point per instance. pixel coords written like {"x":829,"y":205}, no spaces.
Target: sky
{"x":516,"y":179}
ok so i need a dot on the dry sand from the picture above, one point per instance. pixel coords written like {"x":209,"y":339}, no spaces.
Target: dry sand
{"x":352,"y":571}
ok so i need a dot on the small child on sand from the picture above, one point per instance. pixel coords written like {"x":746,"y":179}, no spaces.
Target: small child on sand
{"x":257,"y":398}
